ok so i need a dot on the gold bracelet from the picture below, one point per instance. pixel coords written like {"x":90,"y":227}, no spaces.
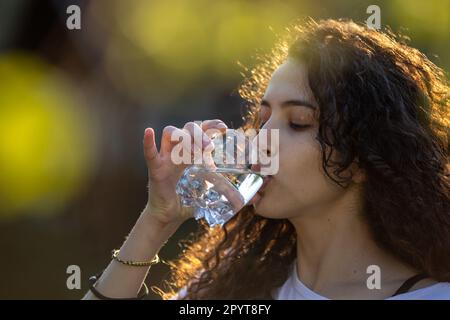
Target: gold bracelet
{"x":115,"y":256}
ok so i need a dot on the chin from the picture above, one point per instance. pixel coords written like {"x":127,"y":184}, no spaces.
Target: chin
{"x":268,"y":208}
{"x":274,"y":206}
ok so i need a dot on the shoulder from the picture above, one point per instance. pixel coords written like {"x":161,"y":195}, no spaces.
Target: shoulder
{"x":437,"y":291}
{"x":440,"y":290}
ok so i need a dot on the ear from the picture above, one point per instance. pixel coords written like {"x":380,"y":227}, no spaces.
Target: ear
{"x":359,"y":176}
{"x":358,"y":173}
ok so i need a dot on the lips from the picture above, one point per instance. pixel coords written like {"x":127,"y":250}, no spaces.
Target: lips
{"x":261,"y":191}
{"x":267,"y":179}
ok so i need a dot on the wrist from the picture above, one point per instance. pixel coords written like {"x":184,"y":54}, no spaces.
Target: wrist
{"x":175,"y":214}
{"x":156,"y":228}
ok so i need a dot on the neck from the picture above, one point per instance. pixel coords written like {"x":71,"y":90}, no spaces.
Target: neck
{"x":335,"y":247}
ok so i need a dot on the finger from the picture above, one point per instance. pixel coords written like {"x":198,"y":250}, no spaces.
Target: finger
{"x":196,"y":132}
{"x":172,"y":136}
{"x":215,"y":123}
{"x":150,"y":150}
{"x":214,"y":127}
{"x":201,"y":142}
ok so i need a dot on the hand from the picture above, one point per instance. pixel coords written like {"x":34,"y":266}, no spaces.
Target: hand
{"x":163,"y":175}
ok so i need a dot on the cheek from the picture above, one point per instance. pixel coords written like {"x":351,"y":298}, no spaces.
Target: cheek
{"x":301,"y":175}
{"x":300,"y":156}
{"x":300,"y":183}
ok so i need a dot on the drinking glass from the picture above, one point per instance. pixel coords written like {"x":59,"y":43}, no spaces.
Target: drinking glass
{"x":217,"y":192}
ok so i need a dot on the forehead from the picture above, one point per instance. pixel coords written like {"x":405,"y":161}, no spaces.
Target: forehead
{"x":289,"y":81}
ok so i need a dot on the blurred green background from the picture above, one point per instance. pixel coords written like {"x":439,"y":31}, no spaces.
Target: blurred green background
{"x":74,"y":105}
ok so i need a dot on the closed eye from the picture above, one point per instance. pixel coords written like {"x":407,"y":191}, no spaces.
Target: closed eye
{"x":298,"y":126}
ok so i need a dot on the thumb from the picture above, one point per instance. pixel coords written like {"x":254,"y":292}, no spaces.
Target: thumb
{"x":152,"y":157}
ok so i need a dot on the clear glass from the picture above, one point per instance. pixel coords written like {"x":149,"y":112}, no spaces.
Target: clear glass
{"x":216,"y":193}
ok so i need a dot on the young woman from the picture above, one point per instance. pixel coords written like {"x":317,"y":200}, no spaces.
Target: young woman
{"x":362,"y":189}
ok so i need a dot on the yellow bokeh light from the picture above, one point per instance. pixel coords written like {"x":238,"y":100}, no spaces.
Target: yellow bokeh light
{"x":45,"y":142}
{"x":196,"y":37}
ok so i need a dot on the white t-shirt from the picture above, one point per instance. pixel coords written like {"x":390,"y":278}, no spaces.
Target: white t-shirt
{"x":294,"y":289}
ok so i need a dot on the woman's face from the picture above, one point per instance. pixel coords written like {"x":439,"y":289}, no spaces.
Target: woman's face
{"x":300,"y":187}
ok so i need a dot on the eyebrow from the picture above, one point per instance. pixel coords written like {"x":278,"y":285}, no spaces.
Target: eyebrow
{"x":288,"y":103}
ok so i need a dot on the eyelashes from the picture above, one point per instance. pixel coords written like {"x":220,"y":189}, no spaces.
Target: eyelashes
{"x":293,"y":126}
{"x":298,"y":127}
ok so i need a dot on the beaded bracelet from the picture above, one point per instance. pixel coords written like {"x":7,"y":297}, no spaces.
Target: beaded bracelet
{"x":115,"y":256}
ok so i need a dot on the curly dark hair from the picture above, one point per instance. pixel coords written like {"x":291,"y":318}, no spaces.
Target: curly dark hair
{"x":384,"y":106}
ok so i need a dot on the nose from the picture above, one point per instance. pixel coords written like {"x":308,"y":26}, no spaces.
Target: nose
{"x":262,"y":144}
{"x":265,"y":135}
{"x":265,"y":148}
{"x":264,"y":140}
